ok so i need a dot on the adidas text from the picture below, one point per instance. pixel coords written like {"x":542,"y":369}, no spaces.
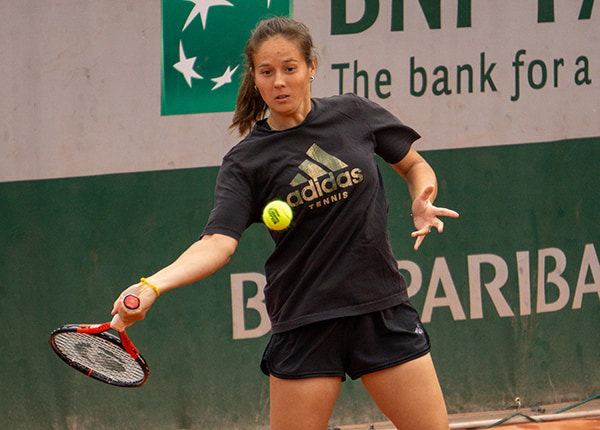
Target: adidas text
{"x":325,"y":190}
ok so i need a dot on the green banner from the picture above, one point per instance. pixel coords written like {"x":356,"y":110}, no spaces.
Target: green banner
{"x":510,"y":292}
{"x":202,"y":51}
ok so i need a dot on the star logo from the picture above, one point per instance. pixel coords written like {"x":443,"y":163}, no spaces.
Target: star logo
{"x":186,"y":66}
{"x":202,"y":51}
{"x":225,"y":78}
{"x":201,"y":8}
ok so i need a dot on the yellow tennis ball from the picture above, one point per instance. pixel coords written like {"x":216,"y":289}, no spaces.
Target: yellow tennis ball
{"x":277,"y":215}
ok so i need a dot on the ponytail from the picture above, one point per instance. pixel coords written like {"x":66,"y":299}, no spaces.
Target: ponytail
{"x":250,"y":107}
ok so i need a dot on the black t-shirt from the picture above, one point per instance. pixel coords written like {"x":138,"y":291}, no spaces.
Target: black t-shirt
{"x":335,"y":259}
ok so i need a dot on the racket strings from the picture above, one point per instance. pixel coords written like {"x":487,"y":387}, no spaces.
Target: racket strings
{"x":95,"y":354}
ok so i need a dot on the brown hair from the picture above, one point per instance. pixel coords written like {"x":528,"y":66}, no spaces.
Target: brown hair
{"x":250,"y":106}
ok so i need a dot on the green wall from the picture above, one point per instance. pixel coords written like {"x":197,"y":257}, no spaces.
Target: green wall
{"x":69,"y":246}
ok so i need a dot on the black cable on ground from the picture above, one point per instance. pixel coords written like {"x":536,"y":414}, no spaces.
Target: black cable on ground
{"x":503,"y":420}
{"x":597,"y":396}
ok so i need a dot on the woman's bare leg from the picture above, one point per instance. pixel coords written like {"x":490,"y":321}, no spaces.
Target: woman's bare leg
{"x":409,"y":395}
{"x":302,"y":404}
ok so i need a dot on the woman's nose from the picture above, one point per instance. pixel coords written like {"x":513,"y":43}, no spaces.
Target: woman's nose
{"x":279,"y":80}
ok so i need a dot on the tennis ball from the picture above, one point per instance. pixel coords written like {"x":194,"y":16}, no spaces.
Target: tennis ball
{"x":277,"y":215}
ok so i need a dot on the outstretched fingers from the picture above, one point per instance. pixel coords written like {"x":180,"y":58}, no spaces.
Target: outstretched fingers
{"x":421,"y":233}
{"x":428,"y":219}
{"x":447,"y":212}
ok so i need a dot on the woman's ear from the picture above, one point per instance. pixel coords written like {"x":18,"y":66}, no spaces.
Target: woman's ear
{"x":313,"y":66}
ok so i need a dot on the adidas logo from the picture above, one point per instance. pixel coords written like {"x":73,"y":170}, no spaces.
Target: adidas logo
{"x":323,"y":179}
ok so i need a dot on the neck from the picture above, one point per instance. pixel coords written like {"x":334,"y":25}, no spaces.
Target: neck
{"x":278,"y":122}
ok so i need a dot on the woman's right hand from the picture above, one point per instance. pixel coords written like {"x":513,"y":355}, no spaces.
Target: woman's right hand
{"x":128,"y":316}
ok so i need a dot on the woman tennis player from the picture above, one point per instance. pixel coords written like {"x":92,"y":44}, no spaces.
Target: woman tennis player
{"x":337,"y":302}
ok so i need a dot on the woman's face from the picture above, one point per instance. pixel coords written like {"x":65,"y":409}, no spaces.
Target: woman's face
{"x":282,"y":78}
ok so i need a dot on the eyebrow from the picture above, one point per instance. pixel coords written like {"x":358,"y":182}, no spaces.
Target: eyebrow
{"x":289,"y":60}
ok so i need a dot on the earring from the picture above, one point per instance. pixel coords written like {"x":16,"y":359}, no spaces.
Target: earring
{"x":312,"y":78}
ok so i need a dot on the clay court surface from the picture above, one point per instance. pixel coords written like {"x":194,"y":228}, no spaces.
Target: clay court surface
{"x":563,"y":416}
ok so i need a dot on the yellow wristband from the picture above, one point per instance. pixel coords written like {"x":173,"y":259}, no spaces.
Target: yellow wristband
{"x":149,"y":285}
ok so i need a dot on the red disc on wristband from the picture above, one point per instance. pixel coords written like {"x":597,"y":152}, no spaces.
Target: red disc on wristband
{"x":131,"y":302}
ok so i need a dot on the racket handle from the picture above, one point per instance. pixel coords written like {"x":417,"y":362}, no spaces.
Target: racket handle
{"x":131,"y":302}
{"x":117,"y":323}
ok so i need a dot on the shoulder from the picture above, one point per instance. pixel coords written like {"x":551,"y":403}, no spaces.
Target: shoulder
{"x":345,"y":101}
{"x":340,"y":107}
{"x":247,"y":145}
{"x":348,"y":104}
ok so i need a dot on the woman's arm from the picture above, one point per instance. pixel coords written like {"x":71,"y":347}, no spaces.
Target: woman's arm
{"x":422,"y":187}
{"x":201,"y":259}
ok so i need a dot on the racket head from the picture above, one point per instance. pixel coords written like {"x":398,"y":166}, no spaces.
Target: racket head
{"x":101,"y":356}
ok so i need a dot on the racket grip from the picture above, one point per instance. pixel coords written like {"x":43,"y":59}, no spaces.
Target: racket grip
{"x":117,"y":323}
{"x":131,"y":302}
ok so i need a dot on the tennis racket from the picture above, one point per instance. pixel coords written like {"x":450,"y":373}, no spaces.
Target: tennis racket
{"x":98,"y":354}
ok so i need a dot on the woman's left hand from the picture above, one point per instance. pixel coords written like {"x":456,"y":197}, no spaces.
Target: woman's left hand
{"x":425,"y":215}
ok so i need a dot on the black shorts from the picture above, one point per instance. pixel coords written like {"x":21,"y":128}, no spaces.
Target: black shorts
{"x":352,"y":346}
